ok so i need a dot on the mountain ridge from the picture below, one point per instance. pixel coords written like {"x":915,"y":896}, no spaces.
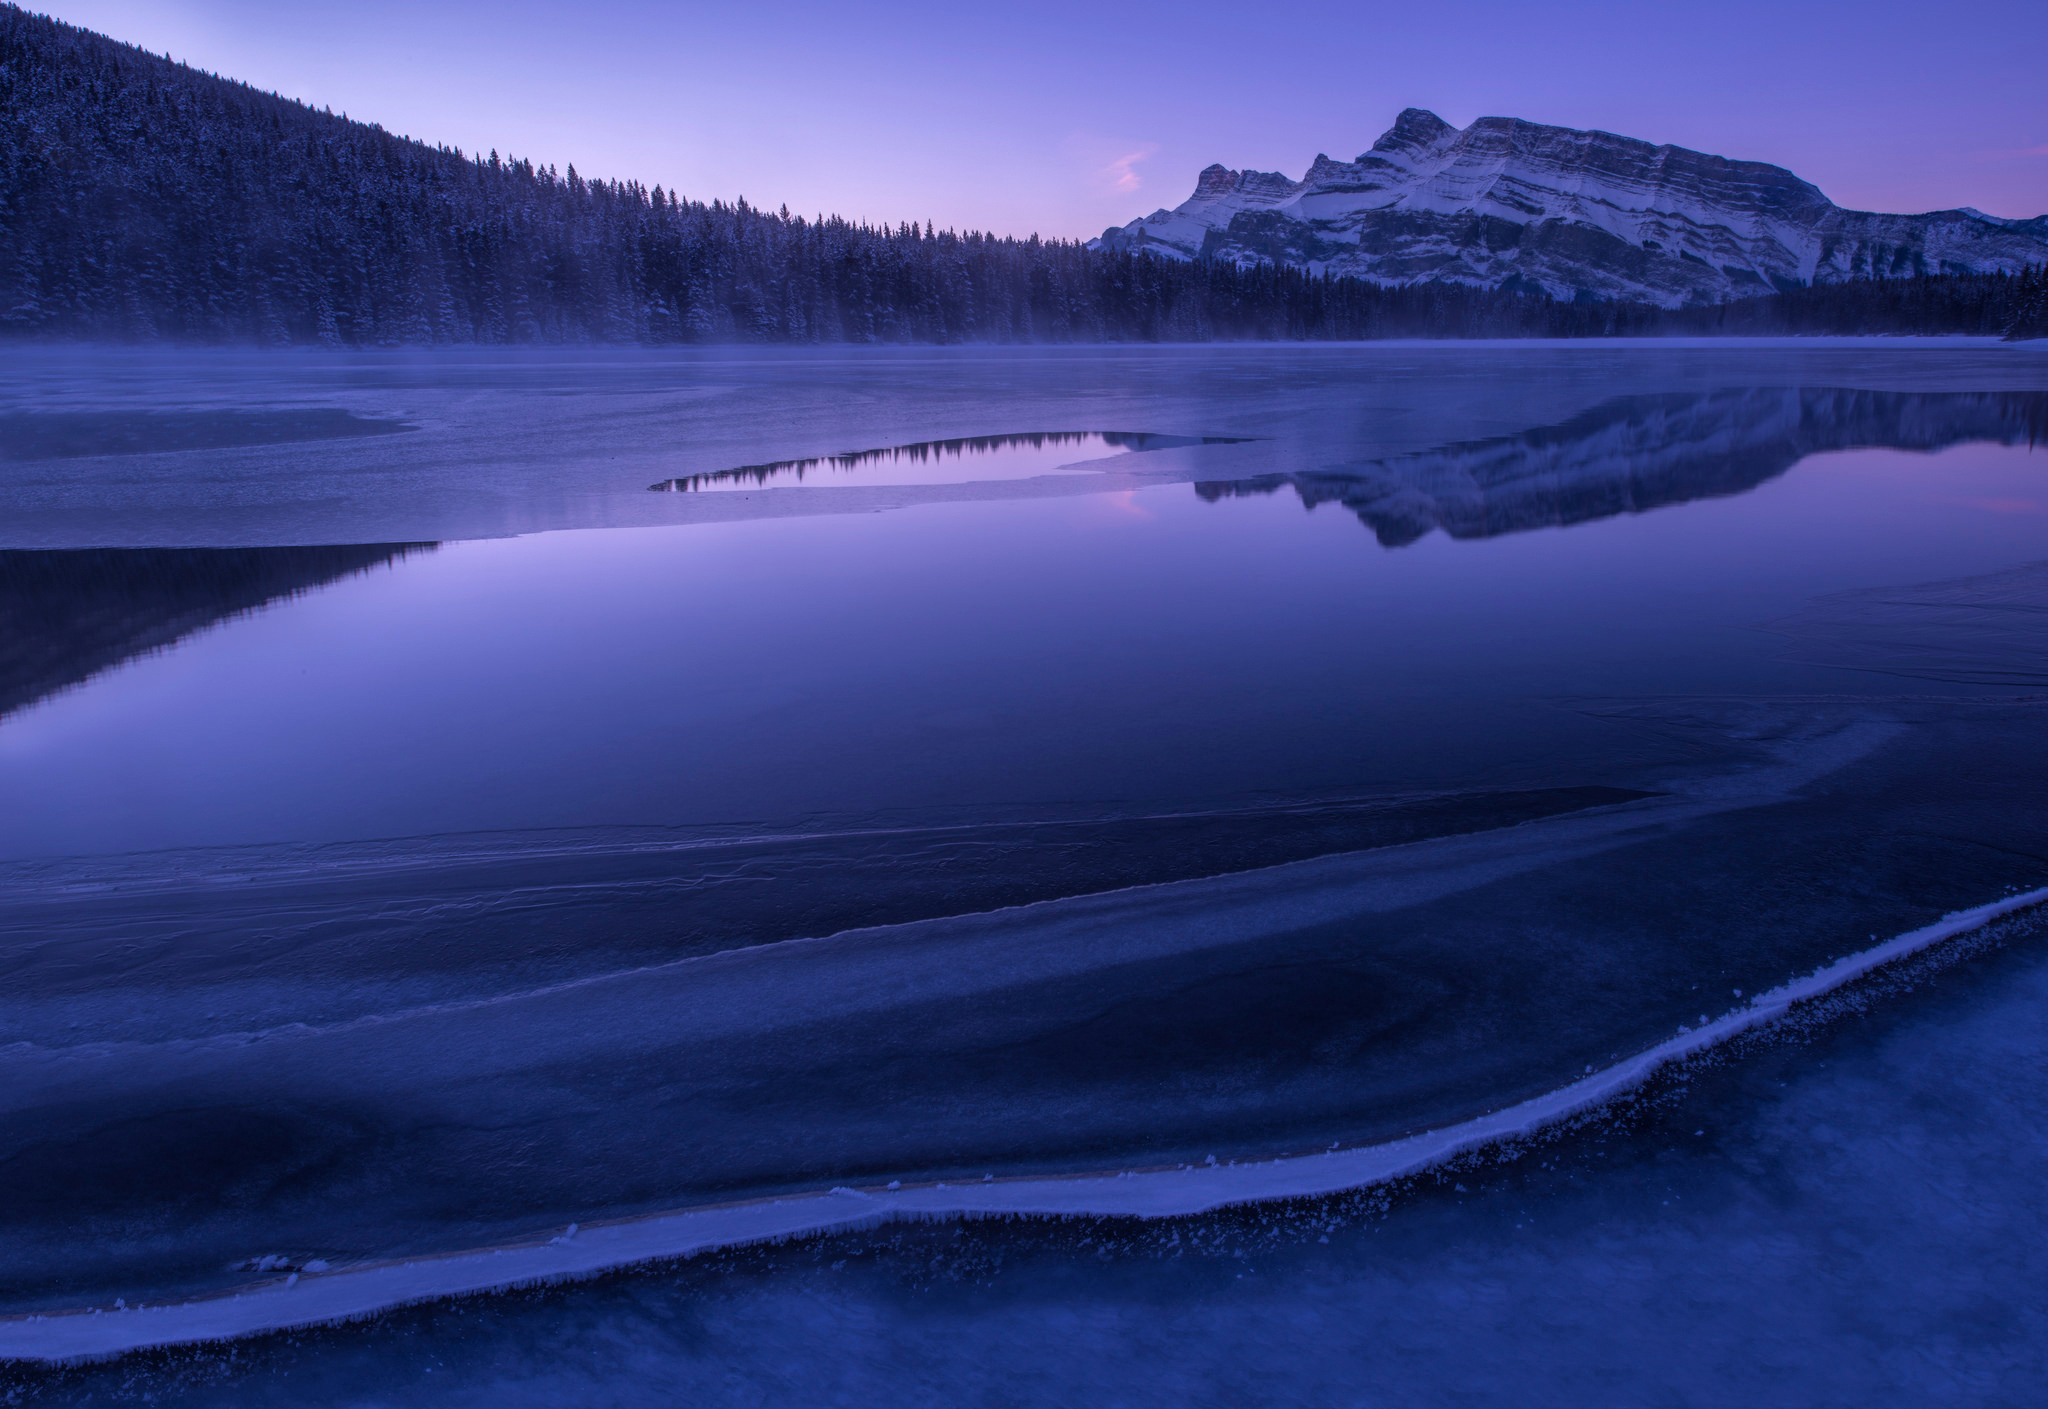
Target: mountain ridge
{"x":1575,"y":214}
{"x":145,"y":201}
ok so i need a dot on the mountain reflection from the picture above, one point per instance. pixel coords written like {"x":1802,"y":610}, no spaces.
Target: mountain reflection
{"x":1642,"y":452}
{"x":927,"y":451}
{"x":66,"y":615}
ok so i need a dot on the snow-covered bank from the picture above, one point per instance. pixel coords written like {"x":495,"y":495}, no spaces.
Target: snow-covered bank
{"x":317,"y":1295}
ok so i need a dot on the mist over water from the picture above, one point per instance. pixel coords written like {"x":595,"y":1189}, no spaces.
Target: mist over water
{"x":435,"y":839}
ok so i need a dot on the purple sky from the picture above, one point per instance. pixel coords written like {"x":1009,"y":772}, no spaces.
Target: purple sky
{"x":1065,"y":117}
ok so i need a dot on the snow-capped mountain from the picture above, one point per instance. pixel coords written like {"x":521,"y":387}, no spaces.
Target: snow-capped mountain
{"x":1507,"y":203}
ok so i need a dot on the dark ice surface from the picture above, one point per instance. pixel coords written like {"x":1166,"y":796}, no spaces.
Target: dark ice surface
{"x":64,"y":435}
{"x":1990,"y":630}
{"x":1356,"y":997}
{"x":420,"y":841}
{"x":1848,"y":1218}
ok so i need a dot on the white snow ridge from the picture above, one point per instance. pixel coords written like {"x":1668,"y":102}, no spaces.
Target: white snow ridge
{"x":1511,"y":204}
{"x":314,"y":1294}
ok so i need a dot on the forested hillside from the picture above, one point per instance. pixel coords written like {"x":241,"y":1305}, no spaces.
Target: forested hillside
{"x":143,"y":200}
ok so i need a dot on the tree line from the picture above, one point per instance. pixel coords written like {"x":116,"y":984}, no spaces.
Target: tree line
{"x":143,"y":200}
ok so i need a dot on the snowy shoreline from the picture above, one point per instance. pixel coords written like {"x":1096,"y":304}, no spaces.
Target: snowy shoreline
{"x":315,"y":1297}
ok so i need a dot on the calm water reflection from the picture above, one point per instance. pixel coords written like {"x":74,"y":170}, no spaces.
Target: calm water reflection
{"x":1636,"y":453}
{"x":1122,"y":653}
{"x":986,"y":457}
{"x":67,"y":615}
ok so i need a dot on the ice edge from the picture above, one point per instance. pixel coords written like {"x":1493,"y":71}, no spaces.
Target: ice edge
{"x":352,"y":1293}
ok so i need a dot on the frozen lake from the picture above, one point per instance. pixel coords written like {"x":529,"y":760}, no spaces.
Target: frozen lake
{"x":451,"y":797}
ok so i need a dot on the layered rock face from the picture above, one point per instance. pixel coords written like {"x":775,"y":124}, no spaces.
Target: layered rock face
{"x":1512,"y":204}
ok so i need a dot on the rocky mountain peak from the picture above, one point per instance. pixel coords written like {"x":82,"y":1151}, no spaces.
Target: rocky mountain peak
{"x":1507,"y":203}
{"x":1415,"y":128}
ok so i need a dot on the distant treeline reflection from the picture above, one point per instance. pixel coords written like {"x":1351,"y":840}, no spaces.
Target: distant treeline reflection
{"x":144,"y":200}
{"x":68,"y":614}
{"x":925,"y":451}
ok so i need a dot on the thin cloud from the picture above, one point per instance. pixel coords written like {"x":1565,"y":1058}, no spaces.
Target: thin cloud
{"x":1121,"y":173}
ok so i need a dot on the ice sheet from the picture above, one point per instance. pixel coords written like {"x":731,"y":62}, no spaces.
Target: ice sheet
{"x":311,"y":1296}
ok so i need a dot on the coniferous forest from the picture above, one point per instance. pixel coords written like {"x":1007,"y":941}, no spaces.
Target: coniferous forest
{"x":142,"y":200}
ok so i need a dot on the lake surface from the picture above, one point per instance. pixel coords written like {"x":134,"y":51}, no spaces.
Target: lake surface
{"x":451,"y":798}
